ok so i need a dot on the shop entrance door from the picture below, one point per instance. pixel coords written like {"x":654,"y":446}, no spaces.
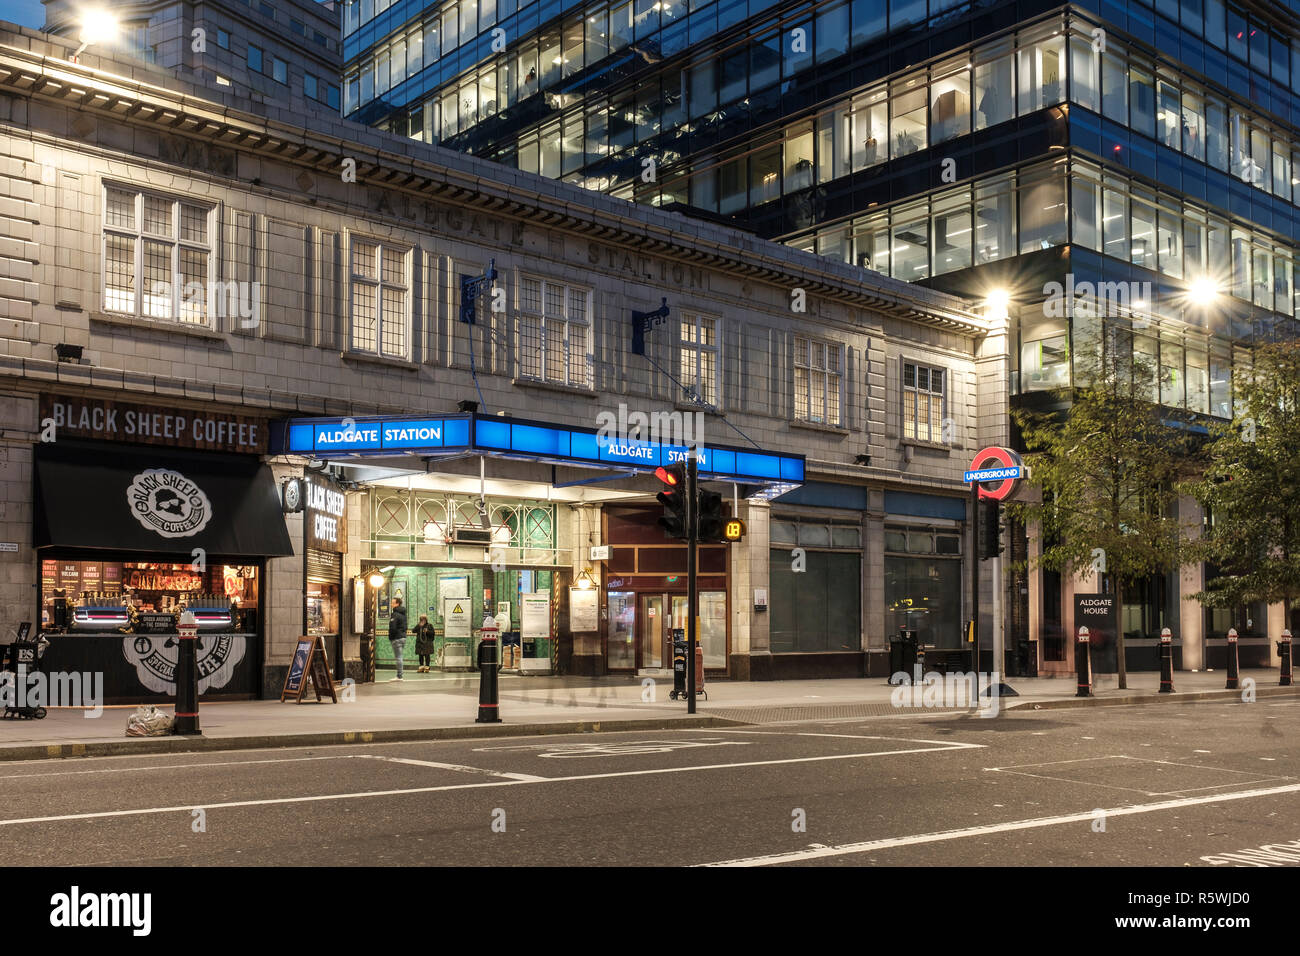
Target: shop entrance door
{"x":650,"y":647}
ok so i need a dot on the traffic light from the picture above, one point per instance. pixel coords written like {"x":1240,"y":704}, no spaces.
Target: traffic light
{"x":712,"y":523}
{"x":990,"y":529}
{"x":673,"y":498}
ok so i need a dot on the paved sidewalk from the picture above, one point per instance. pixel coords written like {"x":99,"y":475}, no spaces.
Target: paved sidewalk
{"x":445,"y":706}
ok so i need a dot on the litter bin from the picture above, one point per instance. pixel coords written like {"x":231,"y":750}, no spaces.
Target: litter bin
{"x":902,"y":654}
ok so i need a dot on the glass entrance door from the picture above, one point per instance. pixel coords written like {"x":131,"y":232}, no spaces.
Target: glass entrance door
{"x":651,"y":645}
{"x":619,"y":644}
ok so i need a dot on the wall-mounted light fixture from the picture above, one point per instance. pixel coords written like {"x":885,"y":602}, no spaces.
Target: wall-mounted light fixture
{"x":585,"y":582}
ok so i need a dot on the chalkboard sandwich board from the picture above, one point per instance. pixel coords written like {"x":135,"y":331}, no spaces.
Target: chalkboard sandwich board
{"x":309,"y":661}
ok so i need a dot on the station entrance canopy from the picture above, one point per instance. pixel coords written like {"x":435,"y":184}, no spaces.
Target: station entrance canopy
{"x":367,"y":439}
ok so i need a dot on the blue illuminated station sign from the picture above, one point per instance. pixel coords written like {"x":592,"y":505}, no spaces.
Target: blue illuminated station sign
{"x":513,"y":438}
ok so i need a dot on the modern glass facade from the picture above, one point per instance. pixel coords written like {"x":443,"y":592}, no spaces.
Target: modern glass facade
{"x":1129,"y":172}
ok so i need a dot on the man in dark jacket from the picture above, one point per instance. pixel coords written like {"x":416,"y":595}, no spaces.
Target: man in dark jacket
{"x":397,"y":633}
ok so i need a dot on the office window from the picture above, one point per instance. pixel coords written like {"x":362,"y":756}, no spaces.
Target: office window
{"x":1044,"y":354}
{"x":1193,"y":125}
{"x":1216,"y":134}
{"x":869,"y":133}
{"x":907,"y":103}
{"x":994,"y":87}
{"x":1042,"y":209}
{"x":1085,"y":69}
{"x":1085,"y":211}
{"x":267,"y":10}
{"x":699,"y":367}
{"x":309,"y":86}
{"x":1169,"y":115}
{"x":950,"y":101}
{"x":923,"y":402}
{"x":254,"y":58}
{"x":223,"y":39}
{"x":157,"y":256}
{"x":911,"y":243}
{"x":995,"y":220}
{"x":279,"y":70}
{"x":554,"y":332}
{"x":952,"y":232}
{"x":1040,"y":69}
{"x":1114,"y":87}
{"x":1143,"y":234}
{"x":817,"y":381}
{"x":381,"y":301}
{"x":332,"y":97}
{"x":1141,"y":95}
{"x":297,"y":27}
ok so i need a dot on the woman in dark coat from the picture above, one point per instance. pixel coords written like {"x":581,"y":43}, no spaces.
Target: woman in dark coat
{"x":424,"y":642}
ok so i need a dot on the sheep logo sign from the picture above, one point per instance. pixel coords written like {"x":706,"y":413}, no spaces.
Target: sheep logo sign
{"x":168,"y":503}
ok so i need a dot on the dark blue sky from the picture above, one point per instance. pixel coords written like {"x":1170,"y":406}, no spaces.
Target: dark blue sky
{"x":27,"y":13}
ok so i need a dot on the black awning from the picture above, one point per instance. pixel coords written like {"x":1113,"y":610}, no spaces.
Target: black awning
{"x":91,"y":495}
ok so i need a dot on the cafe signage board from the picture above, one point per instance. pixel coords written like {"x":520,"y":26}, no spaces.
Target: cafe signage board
{"x":107,"y":420}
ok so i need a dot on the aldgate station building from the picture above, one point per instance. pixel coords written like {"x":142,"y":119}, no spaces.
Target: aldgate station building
{"x":233,"y":376}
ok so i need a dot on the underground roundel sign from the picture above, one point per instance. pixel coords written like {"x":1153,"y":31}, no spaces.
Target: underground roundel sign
{"x":168,"y":503}
{"x":996,"y":470}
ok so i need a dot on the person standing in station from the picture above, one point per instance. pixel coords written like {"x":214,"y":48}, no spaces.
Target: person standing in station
{"x":424,"y":642}
{"x":397,"y":633}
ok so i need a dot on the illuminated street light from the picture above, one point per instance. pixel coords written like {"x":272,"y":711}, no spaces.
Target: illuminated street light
{"x":97,"y":26}
{"x":1203,"y":291}
{"x":997,"y":303}
{"x":376,"y":580}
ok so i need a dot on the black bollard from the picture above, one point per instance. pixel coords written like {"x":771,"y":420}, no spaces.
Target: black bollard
{"x":187,"y":677}
{"x":1166,"y":661}
{"x":1232,"y":660}
{"x":489,"y":711}
{"x":1083,"y":664}
{"x":1284,"y":652}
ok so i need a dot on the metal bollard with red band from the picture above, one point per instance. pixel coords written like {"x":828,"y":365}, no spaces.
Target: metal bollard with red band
{"x":489,"y":709}
{"x":1166,"y":661}
{"x":1234,"y":669}
{"x":1284,"y":653}
{"x":1083,"y":663}
{"x":187,"y":676}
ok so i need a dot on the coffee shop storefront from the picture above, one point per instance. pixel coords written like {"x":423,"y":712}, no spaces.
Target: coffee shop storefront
{"x":141,"y":513}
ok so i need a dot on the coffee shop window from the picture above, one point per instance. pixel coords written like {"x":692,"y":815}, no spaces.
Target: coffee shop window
{"x":157,"y":256}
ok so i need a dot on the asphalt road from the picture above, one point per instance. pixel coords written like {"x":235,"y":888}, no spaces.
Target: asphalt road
{"x":1107,"y":786}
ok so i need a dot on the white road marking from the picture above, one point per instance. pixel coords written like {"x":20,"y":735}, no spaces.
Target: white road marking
{"x":994,"y":828}
{"x":1019,"y":770}
{"x":452,"y":766}
{"x":365,"y":794}
{"x":942,"y":744}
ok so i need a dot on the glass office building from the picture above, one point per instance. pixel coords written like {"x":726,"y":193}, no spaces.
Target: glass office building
{"x":1138,"y":162}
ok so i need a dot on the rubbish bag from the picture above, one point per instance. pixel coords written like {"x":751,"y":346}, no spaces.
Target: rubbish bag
{"x":148,"y":721}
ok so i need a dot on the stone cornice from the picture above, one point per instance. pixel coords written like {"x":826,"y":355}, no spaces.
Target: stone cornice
{"x":390,"y":162}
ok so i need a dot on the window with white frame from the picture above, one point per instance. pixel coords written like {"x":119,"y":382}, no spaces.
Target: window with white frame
{"x":817,"y":381}
{"x":699,"y":368}
{"x":554,"y":332}
{"x":158,"y":256}
{"x":923,"y":402}
{"x":381,"y":297}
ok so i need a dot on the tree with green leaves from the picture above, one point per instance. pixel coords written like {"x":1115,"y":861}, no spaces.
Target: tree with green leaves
{"x":1106,"y":473}
{"x":1251,"y":487}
